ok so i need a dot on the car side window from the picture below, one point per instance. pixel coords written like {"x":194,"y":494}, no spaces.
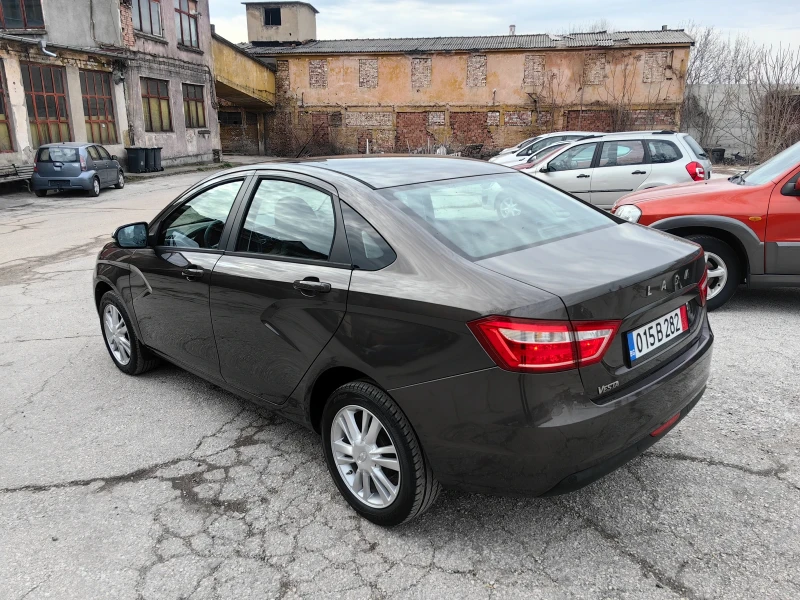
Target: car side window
{"x":199,"y":222}
{"x":288,"y":219}
{"x":104,"y":155}
{"x":93,"y":153}
{"x":368,"y":250}
{"x":662,"y":151}
{"x":620,"y":154}
{"x":577,"y":157}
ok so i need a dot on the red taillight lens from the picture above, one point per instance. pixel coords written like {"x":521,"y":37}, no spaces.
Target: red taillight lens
{"x":657,"y":432}
{"x":703,"y":285}
{"x":83,"y":163}
{"x":528,"y":345}
{"x":696,"y":171}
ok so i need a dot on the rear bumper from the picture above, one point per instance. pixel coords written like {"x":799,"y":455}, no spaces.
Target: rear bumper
{"x":81,"y":182}
{"x":498,"y":432}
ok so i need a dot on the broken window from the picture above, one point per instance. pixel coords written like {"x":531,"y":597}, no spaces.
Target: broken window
{"x":155,"y":105}
{"x":194,"y":106}
{"x":230,"y":118}
{"x":147,"y":16}
{"x":272,"y":16}
{"x":98,"y":107}
{"x":21,"y":14}
{"x":186,"y":23}
{"x":46,"y":99}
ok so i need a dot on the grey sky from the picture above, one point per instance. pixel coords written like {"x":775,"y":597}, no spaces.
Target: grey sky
{"x":777,"y":22}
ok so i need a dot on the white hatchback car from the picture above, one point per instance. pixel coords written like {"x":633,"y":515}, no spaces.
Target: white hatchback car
{"x":529,"y":147}
{"x":602,"y":169}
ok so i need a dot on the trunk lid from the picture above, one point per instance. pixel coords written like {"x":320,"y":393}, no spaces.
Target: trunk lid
{"x":625,"y":273}
{"x":58,"y":163}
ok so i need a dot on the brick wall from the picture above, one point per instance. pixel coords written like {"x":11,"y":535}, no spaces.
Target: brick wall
{"x":470,"y":128}
{"x":533,"y":73}
{"x":282,"y":78}
{"x":368,"y":73}
{"x":493,"y":118}
{"x":653,"y":119}
{"x":518,"y":118}
{"x":321,"y":124}
{"x":594,"y":68}
{"x":318,"y":74}
{"x":126,"y":23}
{"x":476,"y":70}
{"x":420,"y":73}
{"x":240,"y":139}
{"x":368,"y":119}
{"x":412,"y":131}
{"x":655,"y":66}
{"x":588,"y":120}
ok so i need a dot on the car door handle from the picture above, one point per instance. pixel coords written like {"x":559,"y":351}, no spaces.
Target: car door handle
{"x":313,"y":286}
{"x":639,"y":173}
{"x":192,"y":272}
{"x":583,"y":176}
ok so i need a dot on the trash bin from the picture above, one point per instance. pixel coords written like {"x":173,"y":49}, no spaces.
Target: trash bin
{"x":718,"y":155}
{"x":149,"y":159}
{"x":157,"y":159}
{"x":136,"y":160}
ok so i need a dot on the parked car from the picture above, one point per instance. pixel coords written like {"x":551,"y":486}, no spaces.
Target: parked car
{"x":519,"y":146}
{"x":525,"y":152}
{"x":748,"y":225}
{"x":378,"y":302}
{"x":602,"y":169}
{"x":75,"y":166}
{"x":539,"y":156}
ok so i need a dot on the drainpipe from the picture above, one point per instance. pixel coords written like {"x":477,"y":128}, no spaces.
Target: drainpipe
{"x":45,"y":51}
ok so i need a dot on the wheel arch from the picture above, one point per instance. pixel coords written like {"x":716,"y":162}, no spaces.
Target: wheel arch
{"x":324,"y":385}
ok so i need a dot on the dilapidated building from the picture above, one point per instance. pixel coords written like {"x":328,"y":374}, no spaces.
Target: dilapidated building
{"x":401,"y":95}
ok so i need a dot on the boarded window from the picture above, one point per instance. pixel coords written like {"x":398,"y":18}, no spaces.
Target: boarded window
{"x":368,"y":73}
{"x":436,"y":118}
{"x":98,"y":107}
{"x":518,"y":118}
{"x":493,"y":118}
{"x":6,"y":145}
{"x":46,"y":98}
{"x":420,"y":73}
{"x":368,"y":119}
{"x":655,"y":66}
{"x":534,"y":70}
{"x":194,"y":106}
{"x":594,"y":69}
{"x":155,"y":105}
{"x":147,"y":16}
{"x":476,"y":71}
{"x":318,"y":73}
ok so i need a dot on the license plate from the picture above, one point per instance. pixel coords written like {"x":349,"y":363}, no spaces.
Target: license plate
{"x":657,"y":333}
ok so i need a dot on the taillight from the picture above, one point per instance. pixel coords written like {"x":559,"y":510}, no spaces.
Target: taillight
{"x":83,"y":163}
{"x":529,"y":345}
{"x":696,"y":171}
{"x":703,"y":285}
{"x":36,"y":164}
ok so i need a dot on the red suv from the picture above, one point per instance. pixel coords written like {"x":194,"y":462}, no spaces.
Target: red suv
{"x":748,"y":225}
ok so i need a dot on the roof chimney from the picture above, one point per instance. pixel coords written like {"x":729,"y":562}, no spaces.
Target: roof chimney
{"x":663,"y":28}
{"x":512,"y":30}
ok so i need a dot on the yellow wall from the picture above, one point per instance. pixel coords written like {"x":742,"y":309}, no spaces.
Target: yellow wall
{"x":242,"y":73}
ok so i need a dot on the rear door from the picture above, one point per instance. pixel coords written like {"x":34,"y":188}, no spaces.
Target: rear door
{"x":783,"y":228}
{"x":572,"y":170}
{"x":280,"y":291}
{"x":621,"y":169}
{"x":97,"y":163}
{"x":109,"y":168}
{"x":58,"y":164}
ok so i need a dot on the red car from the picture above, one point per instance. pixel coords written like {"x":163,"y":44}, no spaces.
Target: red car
{"x":748,"y":225}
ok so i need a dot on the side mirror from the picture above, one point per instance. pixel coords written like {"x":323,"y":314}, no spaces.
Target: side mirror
{"x":792,"y":187}
{"x":114,"y":157}
{"x":131,"y":236}
{"x":545,"y":169}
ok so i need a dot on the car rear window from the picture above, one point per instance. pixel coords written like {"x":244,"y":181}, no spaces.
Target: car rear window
{"x":696,"y":148}
{"x":58,"y":155}
{"x":465,"y":214}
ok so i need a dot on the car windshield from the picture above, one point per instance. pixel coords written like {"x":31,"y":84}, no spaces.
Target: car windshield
{"x":480,"y":217}
{"x":58,"y":155}
{"x":774,"y":167}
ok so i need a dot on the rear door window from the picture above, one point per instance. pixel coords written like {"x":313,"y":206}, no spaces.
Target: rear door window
{"x":58,"y":155}
{"x":662,"y":151}
{"x":368,"y":250}
{"x":93,"y":153}
{"x":104,"y":155}
{"x":463,"y":215}
{"x":620,"y":154}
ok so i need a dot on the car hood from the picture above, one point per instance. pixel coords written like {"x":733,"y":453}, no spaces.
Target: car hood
{"x":696,"y":189}
{"x":599,"y":262}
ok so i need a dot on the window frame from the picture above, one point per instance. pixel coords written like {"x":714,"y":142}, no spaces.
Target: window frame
{"x":33,"y":119}
{"x":144,"y":83}
{"x":200,"y":101}
{"x":25,"y":24}
{"x":270,"y":10}
{"x":110,"y":113}
{"x":192,"y":18}
{"x":670,"y":143}
{"x":149,"y":4}
{"x":645,"y":154}
{"x":5,"y":119}
{"x":339,"y":256}
{"x":593,"y":163}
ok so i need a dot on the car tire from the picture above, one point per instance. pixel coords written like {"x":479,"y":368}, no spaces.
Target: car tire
{"x":115,"y":324}
{"x":40,"y":193}
{"x":415,"y":487}
{"x":723,"y":261}
{"x":120,"y":181}
{"x":94,"y":191}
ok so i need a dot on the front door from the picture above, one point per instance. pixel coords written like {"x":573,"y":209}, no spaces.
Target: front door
{"x":572,"y":170}
{"x":621,"y":169}
{"x":783,"y":228}
{"x":280,"y":292}
{"x":170,"y":281}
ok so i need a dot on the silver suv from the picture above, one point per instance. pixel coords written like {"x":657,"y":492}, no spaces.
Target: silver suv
{"x":602,"y":169}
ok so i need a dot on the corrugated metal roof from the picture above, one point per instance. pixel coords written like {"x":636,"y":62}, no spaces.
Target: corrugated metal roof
{"x":479,"y":43}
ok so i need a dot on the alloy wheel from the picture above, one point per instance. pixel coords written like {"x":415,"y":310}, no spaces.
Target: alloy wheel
{"x":121,"y":180}
{"x":717,"y":274}
{"x":365,"y":456}
{"x":119,"y":342}
{"x":508,"y":207}
{"x":96,"y":187}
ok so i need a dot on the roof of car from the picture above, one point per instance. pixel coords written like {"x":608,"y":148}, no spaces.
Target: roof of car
{"x":68,"y":145}
{"x":390,"y":170}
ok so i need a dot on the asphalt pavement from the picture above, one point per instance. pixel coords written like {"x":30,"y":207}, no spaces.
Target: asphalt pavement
{"x":164,"y":486}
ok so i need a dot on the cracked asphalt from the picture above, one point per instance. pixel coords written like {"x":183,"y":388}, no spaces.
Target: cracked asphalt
{"x":166,"y":487}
